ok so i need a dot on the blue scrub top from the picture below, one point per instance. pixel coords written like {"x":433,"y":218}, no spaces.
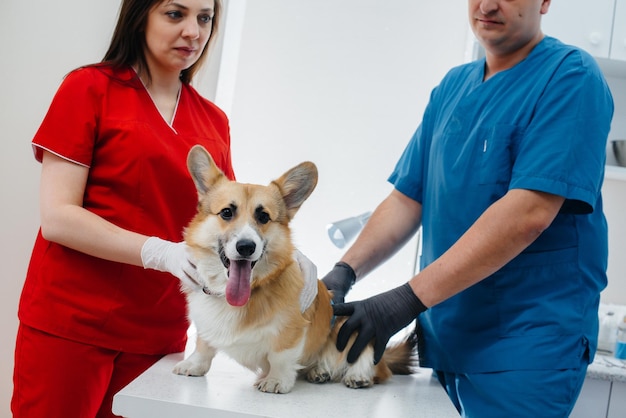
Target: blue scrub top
{"x":541,"y":125}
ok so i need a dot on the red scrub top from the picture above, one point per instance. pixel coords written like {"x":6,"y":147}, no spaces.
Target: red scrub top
{"x":105,"y":119}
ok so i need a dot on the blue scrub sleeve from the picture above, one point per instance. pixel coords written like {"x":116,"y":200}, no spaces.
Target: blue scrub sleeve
{"x":563,"y":149}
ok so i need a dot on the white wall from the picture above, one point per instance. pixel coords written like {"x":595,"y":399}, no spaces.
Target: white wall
{"x":344,"y":84}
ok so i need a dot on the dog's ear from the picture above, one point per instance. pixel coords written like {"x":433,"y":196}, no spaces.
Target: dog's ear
{"x":296,"y":185}
{"x":202,"y":168}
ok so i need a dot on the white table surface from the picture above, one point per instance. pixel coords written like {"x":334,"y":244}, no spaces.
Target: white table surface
{"x":227,"y":391}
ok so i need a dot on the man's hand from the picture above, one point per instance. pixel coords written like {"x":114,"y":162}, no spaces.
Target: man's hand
{"x":339,"y":281}
{"x":377,"y":318}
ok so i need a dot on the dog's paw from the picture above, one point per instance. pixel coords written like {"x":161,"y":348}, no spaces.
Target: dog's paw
{"x":358,"y":382}
{"x":189,"y":368}
{"x":318,"y":375}
{"x":359,"y":375}
{"x":273,"y":385}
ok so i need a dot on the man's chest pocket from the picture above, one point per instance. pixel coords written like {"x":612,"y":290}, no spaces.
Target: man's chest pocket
{"x":497,"y":147}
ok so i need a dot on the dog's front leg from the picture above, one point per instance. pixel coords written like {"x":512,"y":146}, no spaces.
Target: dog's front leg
{"x":284,"y":367}
{"x":199,"y":363}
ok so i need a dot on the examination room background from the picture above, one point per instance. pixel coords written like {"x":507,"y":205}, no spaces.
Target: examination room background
{"x":340,"y":83}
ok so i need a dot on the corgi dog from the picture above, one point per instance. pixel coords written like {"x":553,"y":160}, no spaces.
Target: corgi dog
{"x":250,"y":305}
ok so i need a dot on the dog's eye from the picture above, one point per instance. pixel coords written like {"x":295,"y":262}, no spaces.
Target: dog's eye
{"x":262,"y":216}
{"x":226,"y":214}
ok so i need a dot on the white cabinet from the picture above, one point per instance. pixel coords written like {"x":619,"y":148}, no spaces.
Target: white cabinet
{"x":618,"y":42}
{"x":601,"y":399}
{"x":599,"y":29}
{"x":617,"y":406}
{"x":593,"y":400}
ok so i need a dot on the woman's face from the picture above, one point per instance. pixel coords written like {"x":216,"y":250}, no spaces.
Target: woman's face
{"x":176,"y":33}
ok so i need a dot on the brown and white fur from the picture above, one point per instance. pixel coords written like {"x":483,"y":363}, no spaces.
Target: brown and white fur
{"x":250,"y":309}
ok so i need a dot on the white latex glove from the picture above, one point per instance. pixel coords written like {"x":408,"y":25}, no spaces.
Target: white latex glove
{"x":309,"y":272}
{"x":173,"y":258}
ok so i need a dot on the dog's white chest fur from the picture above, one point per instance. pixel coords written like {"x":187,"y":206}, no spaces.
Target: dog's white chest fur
{"x":254,"y":347}
{"x":220,"y":323}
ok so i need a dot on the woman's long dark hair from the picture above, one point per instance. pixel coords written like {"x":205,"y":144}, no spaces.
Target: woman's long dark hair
{"x":128,"y":42}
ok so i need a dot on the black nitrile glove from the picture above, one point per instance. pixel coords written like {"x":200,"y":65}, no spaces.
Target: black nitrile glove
{"x":339,"y":280}
{"x":377,"y":318}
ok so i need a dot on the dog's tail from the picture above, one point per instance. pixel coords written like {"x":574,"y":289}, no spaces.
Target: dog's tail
{"x":401,"y":357}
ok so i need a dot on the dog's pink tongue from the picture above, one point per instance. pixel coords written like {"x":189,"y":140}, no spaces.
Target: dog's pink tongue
{"x":238,"y":285}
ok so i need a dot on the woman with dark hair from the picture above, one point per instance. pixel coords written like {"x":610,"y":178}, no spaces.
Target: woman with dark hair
{"x":128,"y":43}
{"x":102,"y":300}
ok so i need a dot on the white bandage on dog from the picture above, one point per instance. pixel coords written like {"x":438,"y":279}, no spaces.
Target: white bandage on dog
{"x":309,"y":273}
{"x":173,"y":258}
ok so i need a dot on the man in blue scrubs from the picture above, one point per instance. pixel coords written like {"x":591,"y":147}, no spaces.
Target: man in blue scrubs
{"x":504,"y":176}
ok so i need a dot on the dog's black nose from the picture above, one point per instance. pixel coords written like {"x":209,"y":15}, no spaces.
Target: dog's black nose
{"x":246,"y":247}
